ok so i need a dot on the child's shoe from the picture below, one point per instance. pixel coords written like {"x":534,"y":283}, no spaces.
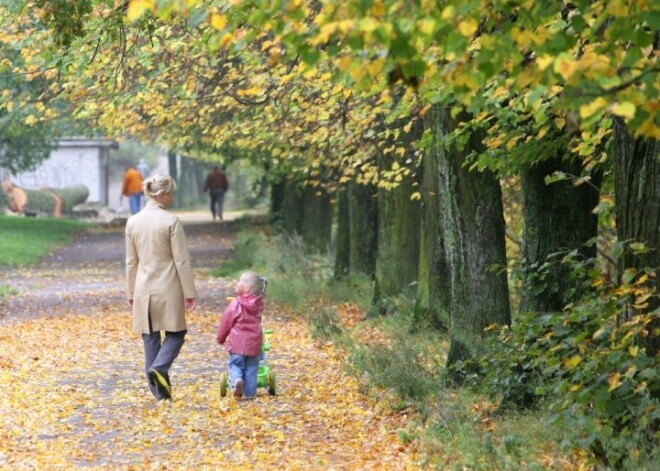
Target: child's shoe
{"x":238,"y":388}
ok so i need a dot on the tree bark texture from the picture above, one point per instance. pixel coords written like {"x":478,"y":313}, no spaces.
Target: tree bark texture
{"x":557,"y":218}
{"x":317,"y":219}
{"x":473,"y":229}
{"x":293,"y":207}
{"x":398,"y":237}
{"x":363,"y":228}
{"x":433,"y":287}
{"x":343,"y":238}
{"x":277,"y":201}
{"x":636,"y":177}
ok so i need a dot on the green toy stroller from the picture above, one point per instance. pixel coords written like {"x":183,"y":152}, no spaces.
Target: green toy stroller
{"x":265,"y":375}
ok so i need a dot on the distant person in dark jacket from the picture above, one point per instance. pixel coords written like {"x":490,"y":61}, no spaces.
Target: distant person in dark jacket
{"x":216,"y":184}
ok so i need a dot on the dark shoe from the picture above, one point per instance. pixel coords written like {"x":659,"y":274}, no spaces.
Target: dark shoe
{"x":238,"y":388}
{"x":161,"y":382}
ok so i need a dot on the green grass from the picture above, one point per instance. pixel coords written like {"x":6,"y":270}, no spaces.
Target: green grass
{"x":6,"y":291}
{"x":25,"y":241}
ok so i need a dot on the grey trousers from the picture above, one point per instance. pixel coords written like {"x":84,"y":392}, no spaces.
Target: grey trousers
{"x":160,"y":356}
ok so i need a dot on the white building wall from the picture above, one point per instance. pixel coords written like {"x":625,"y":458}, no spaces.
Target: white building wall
{"x":74,"y":162}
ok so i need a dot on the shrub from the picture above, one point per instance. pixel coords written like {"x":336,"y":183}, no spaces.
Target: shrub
{"x":400,"y":366}
{"x":590,"y":363}
{"x":325,"y":324}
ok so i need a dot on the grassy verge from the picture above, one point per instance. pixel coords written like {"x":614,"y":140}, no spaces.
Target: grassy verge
{"x":450,"y":428}
{"x":25,"y":241}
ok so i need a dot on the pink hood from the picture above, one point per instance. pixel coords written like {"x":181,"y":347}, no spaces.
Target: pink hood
{"x":240,"y":325}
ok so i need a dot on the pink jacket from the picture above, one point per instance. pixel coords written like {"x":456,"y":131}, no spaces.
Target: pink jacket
{"x":241,"y":323}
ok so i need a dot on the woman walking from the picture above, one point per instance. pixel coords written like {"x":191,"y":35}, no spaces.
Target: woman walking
{"x":160,"y":282}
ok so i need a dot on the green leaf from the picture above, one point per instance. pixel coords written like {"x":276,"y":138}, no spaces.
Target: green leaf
{"x":401,"y":48}
{"x":310,"y":55}
{"x":556,"y":177}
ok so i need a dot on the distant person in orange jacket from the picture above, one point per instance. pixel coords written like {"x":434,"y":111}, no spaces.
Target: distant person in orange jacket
{"x":216,"y":184}
{"x":132,"y":188}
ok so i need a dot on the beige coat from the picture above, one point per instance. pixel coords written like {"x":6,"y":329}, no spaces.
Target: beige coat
{"x":158,"y":269}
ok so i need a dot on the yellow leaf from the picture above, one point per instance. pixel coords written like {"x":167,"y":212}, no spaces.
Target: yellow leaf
{"x":426,"y":26}
{"x":218,"y":21}
{"x":625,"y":109}
{"x":572,"y":362}
{"x":544,"y":61}
{"x":136,"y":8}
{"x":614,"y":380}
{"x":565,"y":67}
{"x":448,"y":13}
{"x":633,"y":350}
{"x":468,"y":28}
{"x":590,"y":109}
{"x":368,"y":24}
{"x":346,"y":25}
{"x":617,"y":8}
{"x":415,"y":196}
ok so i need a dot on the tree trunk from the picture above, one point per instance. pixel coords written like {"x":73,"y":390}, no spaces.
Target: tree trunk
{"x":636,"y":177}
{"x":343,"y":238}
{"x":183,"y":196}
{"x":363,"y":228}
{"x":433,"y":290}
{"x":277,"y":190}
{"x":398,"y":235}
{"x":557,"y":218}
{"x":171,"y":162}
{"x":473,"y":230}
{"x":293,"y":207}
{"x":317,"y":219}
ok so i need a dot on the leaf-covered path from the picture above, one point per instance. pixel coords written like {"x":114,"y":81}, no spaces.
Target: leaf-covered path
{"x":74,"y":393}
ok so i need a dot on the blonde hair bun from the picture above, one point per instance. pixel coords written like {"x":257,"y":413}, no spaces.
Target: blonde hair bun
{"x":157,"y":185}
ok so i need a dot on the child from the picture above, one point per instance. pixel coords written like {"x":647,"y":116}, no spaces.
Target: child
{"x":241,"y":325}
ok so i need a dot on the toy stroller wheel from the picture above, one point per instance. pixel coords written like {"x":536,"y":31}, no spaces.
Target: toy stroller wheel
{"x":223,"y":384}
{"x":272,"y":383}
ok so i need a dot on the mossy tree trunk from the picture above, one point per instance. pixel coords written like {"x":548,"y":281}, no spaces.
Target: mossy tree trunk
{"x":277,"y":201}
{"x":557,"y":218}
{"x":637,"y":192}
{"x":317,"y":219}
{"x":432,"y":304}
{"x":473,"y":230}
{"x":343,"y":238}
{"x":363,"y":228}
{"x":398,"y":232}
{"x":293,"y":207}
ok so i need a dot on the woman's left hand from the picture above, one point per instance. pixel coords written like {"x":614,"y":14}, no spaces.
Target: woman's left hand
{"x":190,"y":304}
